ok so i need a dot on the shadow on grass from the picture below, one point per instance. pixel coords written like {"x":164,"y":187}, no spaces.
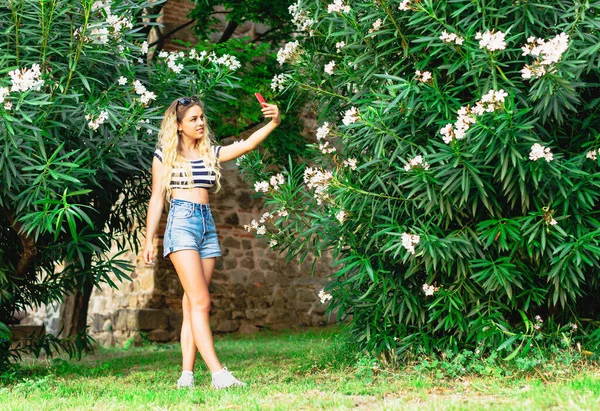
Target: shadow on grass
{"x":302,"y":349}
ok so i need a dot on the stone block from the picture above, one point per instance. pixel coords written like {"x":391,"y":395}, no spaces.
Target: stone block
{"x":232,"y":219}
{"x":97,"y":322}
{"x":247,"y":263}
{"x":224,"y":326}
{"x":246,"y":328}
{"x":152,"y":319}
{"x":232,"y":243}
{"x":175,"y":319}
{"x":265,"y":264}
{"x":23,"y":332}
{"x":125,"y":320}
{"x":159,"y":336}
{"x":246,"y":244}
{"x":230,"y":263}
{"x":237,"y":315}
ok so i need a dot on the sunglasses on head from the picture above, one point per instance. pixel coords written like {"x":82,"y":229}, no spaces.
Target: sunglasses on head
{"x":186,"y":101}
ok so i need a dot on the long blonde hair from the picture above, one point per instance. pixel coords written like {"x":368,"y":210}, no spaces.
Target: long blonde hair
{"x":170,"y":143}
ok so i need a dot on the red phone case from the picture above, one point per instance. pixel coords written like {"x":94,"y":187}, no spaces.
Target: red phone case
{"x":260,"y":98}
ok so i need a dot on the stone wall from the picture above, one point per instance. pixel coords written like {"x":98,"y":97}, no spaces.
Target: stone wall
{"x":252,"y":286}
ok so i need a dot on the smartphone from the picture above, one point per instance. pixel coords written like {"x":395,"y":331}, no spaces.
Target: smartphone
{"x":260,"y":98}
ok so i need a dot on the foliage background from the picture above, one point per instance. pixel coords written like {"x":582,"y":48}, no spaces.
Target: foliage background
{"x":70,"y":190}
{"x":508,"y":247}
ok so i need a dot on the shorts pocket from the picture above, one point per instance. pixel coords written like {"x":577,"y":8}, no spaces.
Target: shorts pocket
{"x":182,"y":212}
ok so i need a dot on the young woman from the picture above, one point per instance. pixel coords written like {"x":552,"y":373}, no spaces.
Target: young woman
{"x":184,"y":168}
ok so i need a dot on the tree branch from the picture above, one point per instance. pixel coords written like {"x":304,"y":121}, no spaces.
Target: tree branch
{"x":229,"y":30}
{"x":162,"y":38}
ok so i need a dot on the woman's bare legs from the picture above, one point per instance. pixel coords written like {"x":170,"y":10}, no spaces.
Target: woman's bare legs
{"x":188,"y":347}
{"x":190,"y":269}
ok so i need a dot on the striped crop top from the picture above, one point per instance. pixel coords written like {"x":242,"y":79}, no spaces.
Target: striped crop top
{"x":202,"y":178}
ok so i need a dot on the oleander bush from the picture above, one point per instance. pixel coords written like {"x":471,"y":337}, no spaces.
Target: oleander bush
{"x":455,"y":172}
{"x":80,"y":106}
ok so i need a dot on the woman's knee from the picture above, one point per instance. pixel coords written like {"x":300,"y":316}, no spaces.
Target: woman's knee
{"x":199,"y":305}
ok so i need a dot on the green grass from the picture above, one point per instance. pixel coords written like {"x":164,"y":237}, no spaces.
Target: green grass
{"x":289,"y":371}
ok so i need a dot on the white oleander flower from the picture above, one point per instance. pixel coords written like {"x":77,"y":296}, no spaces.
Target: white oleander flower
{"x":290,"y":52}
{"x":324,"y":296}
{"x":323,"y":131}
{"x":423,"y":76}
{"x":409,"y":241}
{"x":261,"y":186}
{"x":538,"y":151}
{"x":338,"y":6}
{"x":301,"y":19}
{"x":416,"y":162}
{"x":451,"y":38}
{"x":491,"y":40}
{"x":329,"y":67}
{"x":265,"y":217}
{"x":376,"y":26}
{"x":351,"y":162}
{"x":340,"y":45}
{"x":429,"y":289}
{"x":144,"y":47}
{"x":26,"y":79}
{"x":278,"y":82}
{"x":277,"y":180}
{"x":98,"y":121}
{"x":341,"y":216}
{"x":405,"y":5}
{"x":350,"y":116}
{"x":122,"y":81}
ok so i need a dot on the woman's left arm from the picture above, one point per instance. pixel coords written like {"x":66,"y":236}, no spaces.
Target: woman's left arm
{"x":233,"y":151}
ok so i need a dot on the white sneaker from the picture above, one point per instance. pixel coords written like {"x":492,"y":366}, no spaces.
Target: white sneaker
{"x":224,"y":379}
{"x":185,"y":381}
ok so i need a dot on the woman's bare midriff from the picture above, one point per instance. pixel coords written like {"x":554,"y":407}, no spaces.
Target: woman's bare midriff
{"x":195,"y":195}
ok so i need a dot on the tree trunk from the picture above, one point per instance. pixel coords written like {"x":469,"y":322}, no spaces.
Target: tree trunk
{"x":74,"y":310}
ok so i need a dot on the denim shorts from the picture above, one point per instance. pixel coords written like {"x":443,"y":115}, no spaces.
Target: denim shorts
{"x":190,"y":226}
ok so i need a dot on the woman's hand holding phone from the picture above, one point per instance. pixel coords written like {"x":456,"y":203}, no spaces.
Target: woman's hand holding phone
{"x":269,"y":110}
